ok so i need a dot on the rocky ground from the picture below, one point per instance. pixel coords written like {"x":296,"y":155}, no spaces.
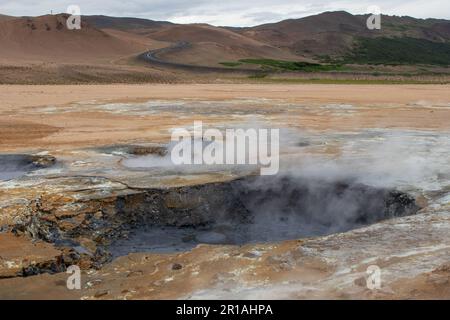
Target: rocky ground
{"x":69,"y":194}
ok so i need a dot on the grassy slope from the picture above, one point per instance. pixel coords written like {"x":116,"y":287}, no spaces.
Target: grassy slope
{"x":342,"y":81}
{"x":400,"y":51}
{"x":283,"y":65}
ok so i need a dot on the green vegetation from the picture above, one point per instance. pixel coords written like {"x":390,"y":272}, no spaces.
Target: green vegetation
{"x":258,"y":75}
{"x":325,"y":58}
{"x":282,"y":65}
{"x":396,"y":27}
{"x":344,"y":81}
{"x":399,"y":51}
{"x":230,"y":64}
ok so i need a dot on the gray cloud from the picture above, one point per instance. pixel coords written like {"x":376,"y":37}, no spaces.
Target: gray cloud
{"x":229,"y":12}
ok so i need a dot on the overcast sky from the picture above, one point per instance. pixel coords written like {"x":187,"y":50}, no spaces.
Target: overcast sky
{"x":226,"y":12}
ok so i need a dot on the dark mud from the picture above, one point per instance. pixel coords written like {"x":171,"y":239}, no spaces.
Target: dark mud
{"x":247,"y":210}
{"x":13,"y":166}
{"x":260,"y":210}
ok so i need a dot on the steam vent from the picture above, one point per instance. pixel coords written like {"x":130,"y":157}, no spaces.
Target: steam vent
{"x":363,"y":181}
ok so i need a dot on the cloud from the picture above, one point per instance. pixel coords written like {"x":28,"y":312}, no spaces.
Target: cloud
{"x":230,"y":12}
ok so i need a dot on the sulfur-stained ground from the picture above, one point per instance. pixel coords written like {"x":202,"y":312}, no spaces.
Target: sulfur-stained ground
{"x":395,"y":136}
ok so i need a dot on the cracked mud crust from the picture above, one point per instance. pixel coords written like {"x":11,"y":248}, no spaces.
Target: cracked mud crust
{"x":80,"y":196}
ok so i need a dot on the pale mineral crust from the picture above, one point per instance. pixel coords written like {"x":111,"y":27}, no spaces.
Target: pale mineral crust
{"x":80,"y":194}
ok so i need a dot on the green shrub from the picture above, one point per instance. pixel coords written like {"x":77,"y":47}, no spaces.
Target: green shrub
{"x":284,"y":65}
{"x":399,"y":51}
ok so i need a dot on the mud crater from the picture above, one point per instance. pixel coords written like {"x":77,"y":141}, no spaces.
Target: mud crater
{"x":246,"y":210}
{"x":14,"y":166}
{"x":262,"y":209}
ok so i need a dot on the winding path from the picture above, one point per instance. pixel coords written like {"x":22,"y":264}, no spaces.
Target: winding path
{"x":153,"y":58}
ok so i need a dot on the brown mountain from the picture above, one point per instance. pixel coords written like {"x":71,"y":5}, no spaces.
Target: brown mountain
{"x":210,"y":45}
{"x":337,"y":33}
{"x":134,"y":25}
{"x":5,"y":17}
{"x":325,"y":33}
{"x":46,"y":38}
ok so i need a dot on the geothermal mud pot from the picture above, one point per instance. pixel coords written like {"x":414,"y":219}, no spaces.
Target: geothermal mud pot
{"x":356,"y":188}
{"x":16,"y":165}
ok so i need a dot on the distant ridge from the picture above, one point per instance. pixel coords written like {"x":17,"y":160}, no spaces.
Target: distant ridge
{"x":46,"y":38}
{"x":105,"y":22}
{"x":337,"y":37}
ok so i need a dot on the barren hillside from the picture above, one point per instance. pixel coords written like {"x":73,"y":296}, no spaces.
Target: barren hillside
{"x":46,"y":39}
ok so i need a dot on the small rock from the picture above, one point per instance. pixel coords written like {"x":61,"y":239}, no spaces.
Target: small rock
{"x":188,"y":238}
{"x":177,"y":266}
{"x":444,"y":268}
{"x":250,"y":255}
{"x":146,"y":150}
{"x":135,"y":274}
{"x":101,"y":293}
{"x":360,"y":282}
